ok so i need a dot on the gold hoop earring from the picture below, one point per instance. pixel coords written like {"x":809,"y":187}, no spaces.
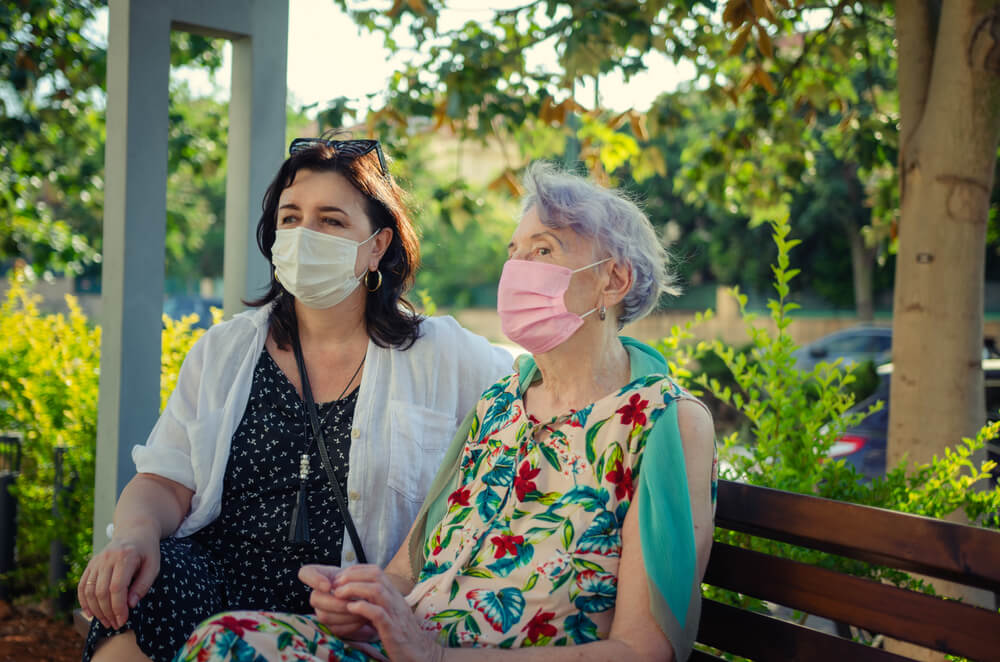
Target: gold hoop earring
{"x":368,"y":281}
{"x":603,"y":312}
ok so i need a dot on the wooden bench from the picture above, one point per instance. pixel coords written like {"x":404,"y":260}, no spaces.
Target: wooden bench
{"x":946,"y":550}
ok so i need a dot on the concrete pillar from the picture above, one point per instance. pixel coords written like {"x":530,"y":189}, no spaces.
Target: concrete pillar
{"x":135,"y":209}
{"x":256,"y":148}
{"x":135,"y":199}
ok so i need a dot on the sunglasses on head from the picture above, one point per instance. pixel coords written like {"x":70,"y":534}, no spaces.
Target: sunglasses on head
{"x":348,"y":148}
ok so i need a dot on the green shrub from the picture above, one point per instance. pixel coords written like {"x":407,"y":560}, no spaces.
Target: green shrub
{"x":49,"y":371}
{"x":794,"y":416}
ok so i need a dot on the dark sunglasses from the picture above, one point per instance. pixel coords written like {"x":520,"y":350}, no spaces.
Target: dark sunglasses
{"x":351,"y":149}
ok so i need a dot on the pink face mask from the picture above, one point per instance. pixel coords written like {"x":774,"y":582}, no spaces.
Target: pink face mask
{"x":531,"y":304}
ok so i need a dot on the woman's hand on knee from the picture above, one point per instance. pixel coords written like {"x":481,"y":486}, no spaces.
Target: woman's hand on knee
{"x":118,"y":577}
{"x":330,"y":611}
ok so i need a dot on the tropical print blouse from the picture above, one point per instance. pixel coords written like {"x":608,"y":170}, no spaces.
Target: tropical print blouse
{"x":528,"y":551}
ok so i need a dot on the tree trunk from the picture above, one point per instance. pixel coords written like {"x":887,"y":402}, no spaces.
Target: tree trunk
{"x":862,"y":256}
{"x":949,"y":90}
{"x":863,"y":268}
{"x":949,"y":93}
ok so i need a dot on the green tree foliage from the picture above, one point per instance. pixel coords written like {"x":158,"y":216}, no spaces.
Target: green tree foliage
{"x":464,"y":229}
{"x":52,"y":152}
{"x":52,"y":77}
{"x":798,"y":97}
{"x":716,"y":239}
{"x":196,"y":186}
{"x":196,"y":182}
{"x":709,"y":236}
{"x":479,"y":72}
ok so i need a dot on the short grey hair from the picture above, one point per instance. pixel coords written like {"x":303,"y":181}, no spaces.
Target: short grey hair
{"x":614,"y":222}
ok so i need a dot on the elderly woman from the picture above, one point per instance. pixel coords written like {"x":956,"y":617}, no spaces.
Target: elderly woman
{"x":575,"y":509}
{"x":303,"y":431}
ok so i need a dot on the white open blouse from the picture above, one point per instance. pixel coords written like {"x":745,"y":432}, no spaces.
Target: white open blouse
{"x":409,"y":405}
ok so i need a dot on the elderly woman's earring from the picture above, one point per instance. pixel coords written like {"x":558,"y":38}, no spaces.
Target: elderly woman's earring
{"x":368,"y":280}
{"x":603,"y":312}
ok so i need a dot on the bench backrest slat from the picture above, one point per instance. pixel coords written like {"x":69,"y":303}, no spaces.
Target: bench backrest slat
{"x":767,"y":639}
{"x":908,"y":542}
{"x":948,"y":626}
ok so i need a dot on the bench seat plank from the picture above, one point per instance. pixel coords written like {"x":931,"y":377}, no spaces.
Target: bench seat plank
{"x":948,"y":550}
{"x":764,"y":638}
{"x":948,"y":626}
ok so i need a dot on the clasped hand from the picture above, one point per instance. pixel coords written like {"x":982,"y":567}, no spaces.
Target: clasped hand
{"x":361,"y":602}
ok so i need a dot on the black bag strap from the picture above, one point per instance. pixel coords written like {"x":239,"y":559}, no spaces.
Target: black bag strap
{"x":323,"y":454}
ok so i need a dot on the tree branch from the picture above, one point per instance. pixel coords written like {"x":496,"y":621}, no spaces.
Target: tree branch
{"x":514,"y":11}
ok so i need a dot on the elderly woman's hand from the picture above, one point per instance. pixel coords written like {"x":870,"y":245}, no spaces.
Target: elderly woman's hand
{"x":330,"y":610}
{"x":370,"y":593}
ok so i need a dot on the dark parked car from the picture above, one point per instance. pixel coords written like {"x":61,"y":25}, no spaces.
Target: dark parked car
{"x":864,"y":445}
{"x":857,"y":345}
{"x":176,"y":307}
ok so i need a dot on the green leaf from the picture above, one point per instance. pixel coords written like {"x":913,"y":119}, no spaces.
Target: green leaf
{"x":587,"y":565}
{"x":567,"y":535}
{"x":537,"y":534}
{"x":591,"y":437}
{"x":550,"y":454}
{"x":450,"y":615}
{"x":548,"y":498}
{"x":477,"y":572}
{"x":560,"y":580}
{"x":549,"y":516}
{"x":611,"y":455}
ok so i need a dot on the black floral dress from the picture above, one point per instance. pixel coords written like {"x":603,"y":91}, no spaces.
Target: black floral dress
{"x":243,"y":559}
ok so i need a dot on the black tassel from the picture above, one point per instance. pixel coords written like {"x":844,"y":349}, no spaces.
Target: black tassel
{"x":298,"y":531}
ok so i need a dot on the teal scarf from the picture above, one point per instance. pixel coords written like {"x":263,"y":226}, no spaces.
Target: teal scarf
{"x":665,"y":525}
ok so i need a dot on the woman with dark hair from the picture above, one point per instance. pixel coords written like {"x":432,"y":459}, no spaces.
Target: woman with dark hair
{"x":330,"y":403}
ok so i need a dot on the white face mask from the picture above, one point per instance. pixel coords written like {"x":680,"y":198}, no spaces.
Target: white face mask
{"x":316,"y":268}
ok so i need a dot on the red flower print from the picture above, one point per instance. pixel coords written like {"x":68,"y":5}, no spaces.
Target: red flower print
{"x":506,"y":545}
{"x":204,"y":654}
{"x":539,"y":626}
{"x":622,"y":480}
{"x":523,"y":483}
{"x":236,"y":625}
{"x":460,"y":496}
{"x":632,"y":413}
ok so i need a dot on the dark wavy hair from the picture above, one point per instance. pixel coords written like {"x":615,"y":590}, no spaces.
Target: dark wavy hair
{"x":390,"y":319}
